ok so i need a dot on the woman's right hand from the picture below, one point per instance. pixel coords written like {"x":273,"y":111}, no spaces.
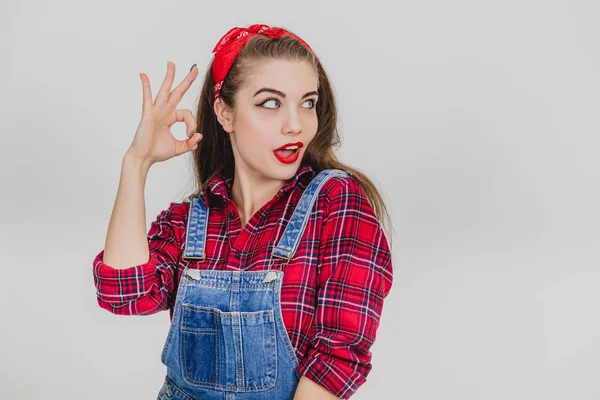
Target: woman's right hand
{"x":153,"y":140}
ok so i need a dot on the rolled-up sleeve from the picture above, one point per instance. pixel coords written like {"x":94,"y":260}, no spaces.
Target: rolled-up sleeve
{"x":149,"y":287}
{"x":355,"y":275}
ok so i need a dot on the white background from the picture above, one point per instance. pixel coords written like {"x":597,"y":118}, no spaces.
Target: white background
{"x":477,"y":119}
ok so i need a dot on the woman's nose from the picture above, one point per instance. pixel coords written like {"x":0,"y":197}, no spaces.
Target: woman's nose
{"x":293,"y":124}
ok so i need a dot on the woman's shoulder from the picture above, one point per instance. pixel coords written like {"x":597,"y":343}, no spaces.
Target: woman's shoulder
{"x":342,"y":191}
{"x":338,"y":185}
{"x":171,"y":219}
{"x":177,"y":210}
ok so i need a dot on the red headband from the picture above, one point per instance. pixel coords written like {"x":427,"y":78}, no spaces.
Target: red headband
{"x":230,"y":45}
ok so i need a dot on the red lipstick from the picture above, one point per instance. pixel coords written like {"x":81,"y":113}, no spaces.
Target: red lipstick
{"x":288,"y":156}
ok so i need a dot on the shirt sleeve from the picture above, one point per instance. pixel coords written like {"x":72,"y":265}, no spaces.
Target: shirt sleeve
{"x":149,"y":287}
{"x":355,"y":275}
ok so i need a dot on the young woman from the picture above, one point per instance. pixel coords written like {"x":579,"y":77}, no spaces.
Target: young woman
{"x":276,"y":269}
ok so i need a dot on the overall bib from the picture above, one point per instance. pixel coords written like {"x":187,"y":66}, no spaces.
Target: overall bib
{"x":227,"y":339}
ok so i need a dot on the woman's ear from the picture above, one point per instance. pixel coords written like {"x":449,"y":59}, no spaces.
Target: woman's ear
{"x":224,"y":115}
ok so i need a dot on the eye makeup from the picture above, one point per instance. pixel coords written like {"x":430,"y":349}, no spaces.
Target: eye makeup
{"x":277,"y":100}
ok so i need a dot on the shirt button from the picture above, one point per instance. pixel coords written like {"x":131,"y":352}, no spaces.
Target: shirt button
{"x":238,"y":255}
{"x":230,"y":214}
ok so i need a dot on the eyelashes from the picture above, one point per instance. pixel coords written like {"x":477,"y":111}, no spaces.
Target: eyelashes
{"x":314,"y":102}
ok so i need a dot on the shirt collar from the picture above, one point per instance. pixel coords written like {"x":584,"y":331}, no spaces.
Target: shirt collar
{"x":220,"y":186}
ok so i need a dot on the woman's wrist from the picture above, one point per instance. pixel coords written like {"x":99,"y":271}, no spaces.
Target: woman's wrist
{"x":133,"y":160}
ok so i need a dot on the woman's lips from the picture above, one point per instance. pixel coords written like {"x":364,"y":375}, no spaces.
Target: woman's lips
{"x":287,"y":156}
{"x":297,"y":144}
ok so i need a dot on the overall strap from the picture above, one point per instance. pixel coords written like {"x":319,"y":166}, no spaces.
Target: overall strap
{"x":289,"y":241}
{"x":197,"y":224}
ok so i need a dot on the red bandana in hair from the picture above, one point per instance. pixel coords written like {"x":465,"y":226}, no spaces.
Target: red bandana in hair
{"x":230,"y":45}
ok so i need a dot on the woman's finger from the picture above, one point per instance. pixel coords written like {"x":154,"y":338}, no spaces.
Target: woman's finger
{"x":163,"y":93}
{"x":147,"y":99}
{"x":179,"y":91}
{"x":189,"y":144}
{"x":187,"y":117}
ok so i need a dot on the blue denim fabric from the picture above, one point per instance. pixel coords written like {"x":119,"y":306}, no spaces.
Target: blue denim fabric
{"x":227,"y":339}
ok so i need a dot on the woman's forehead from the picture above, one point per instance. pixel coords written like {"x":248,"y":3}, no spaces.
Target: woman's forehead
{"x":290,"y":77}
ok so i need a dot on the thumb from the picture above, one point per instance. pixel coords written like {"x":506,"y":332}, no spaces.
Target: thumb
{"x":190,"y":144}
{"x":192,"y":141}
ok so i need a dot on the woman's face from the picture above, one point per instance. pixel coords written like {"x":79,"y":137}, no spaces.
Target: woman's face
{"x":276,"y":107}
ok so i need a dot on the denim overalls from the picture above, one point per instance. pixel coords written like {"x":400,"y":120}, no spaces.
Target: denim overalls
{"x":227,"y":339}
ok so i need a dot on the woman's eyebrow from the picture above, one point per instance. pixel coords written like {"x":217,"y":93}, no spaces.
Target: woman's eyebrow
{"x":280,"y":93}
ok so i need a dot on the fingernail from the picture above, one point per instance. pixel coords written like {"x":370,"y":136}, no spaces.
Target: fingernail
{"x":192,"y":67}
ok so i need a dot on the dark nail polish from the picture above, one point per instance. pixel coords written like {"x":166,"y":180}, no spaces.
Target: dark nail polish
{"x":192,"y":67}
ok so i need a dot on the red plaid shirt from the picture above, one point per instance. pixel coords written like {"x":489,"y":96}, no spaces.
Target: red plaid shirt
{"x":333,"y":287}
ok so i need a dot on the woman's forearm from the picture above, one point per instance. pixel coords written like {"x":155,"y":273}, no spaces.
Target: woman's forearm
{"x":126,"y":242}
{"x":309,"y":390}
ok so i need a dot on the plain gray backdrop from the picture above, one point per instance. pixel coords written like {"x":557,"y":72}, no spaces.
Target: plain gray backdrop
{"x":477,"y":119}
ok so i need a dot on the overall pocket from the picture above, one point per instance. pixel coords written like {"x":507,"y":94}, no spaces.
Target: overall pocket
{"x":199,"y":350}
{"x":220,"y":349}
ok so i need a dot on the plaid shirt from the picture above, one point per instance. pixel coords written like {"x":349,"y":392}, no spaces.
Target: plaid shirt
{"x":333,"y":288}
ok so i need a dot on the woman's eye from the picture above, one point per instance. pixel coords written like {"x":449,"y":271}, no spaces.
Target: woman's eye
{"x":313,"y":103}
{"x":270,"y":101}
{"x":276,"y":102}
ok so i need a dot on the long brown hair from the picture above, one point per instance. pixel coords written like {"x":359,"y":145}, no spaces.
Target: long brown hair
{"x":214,"y":154}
